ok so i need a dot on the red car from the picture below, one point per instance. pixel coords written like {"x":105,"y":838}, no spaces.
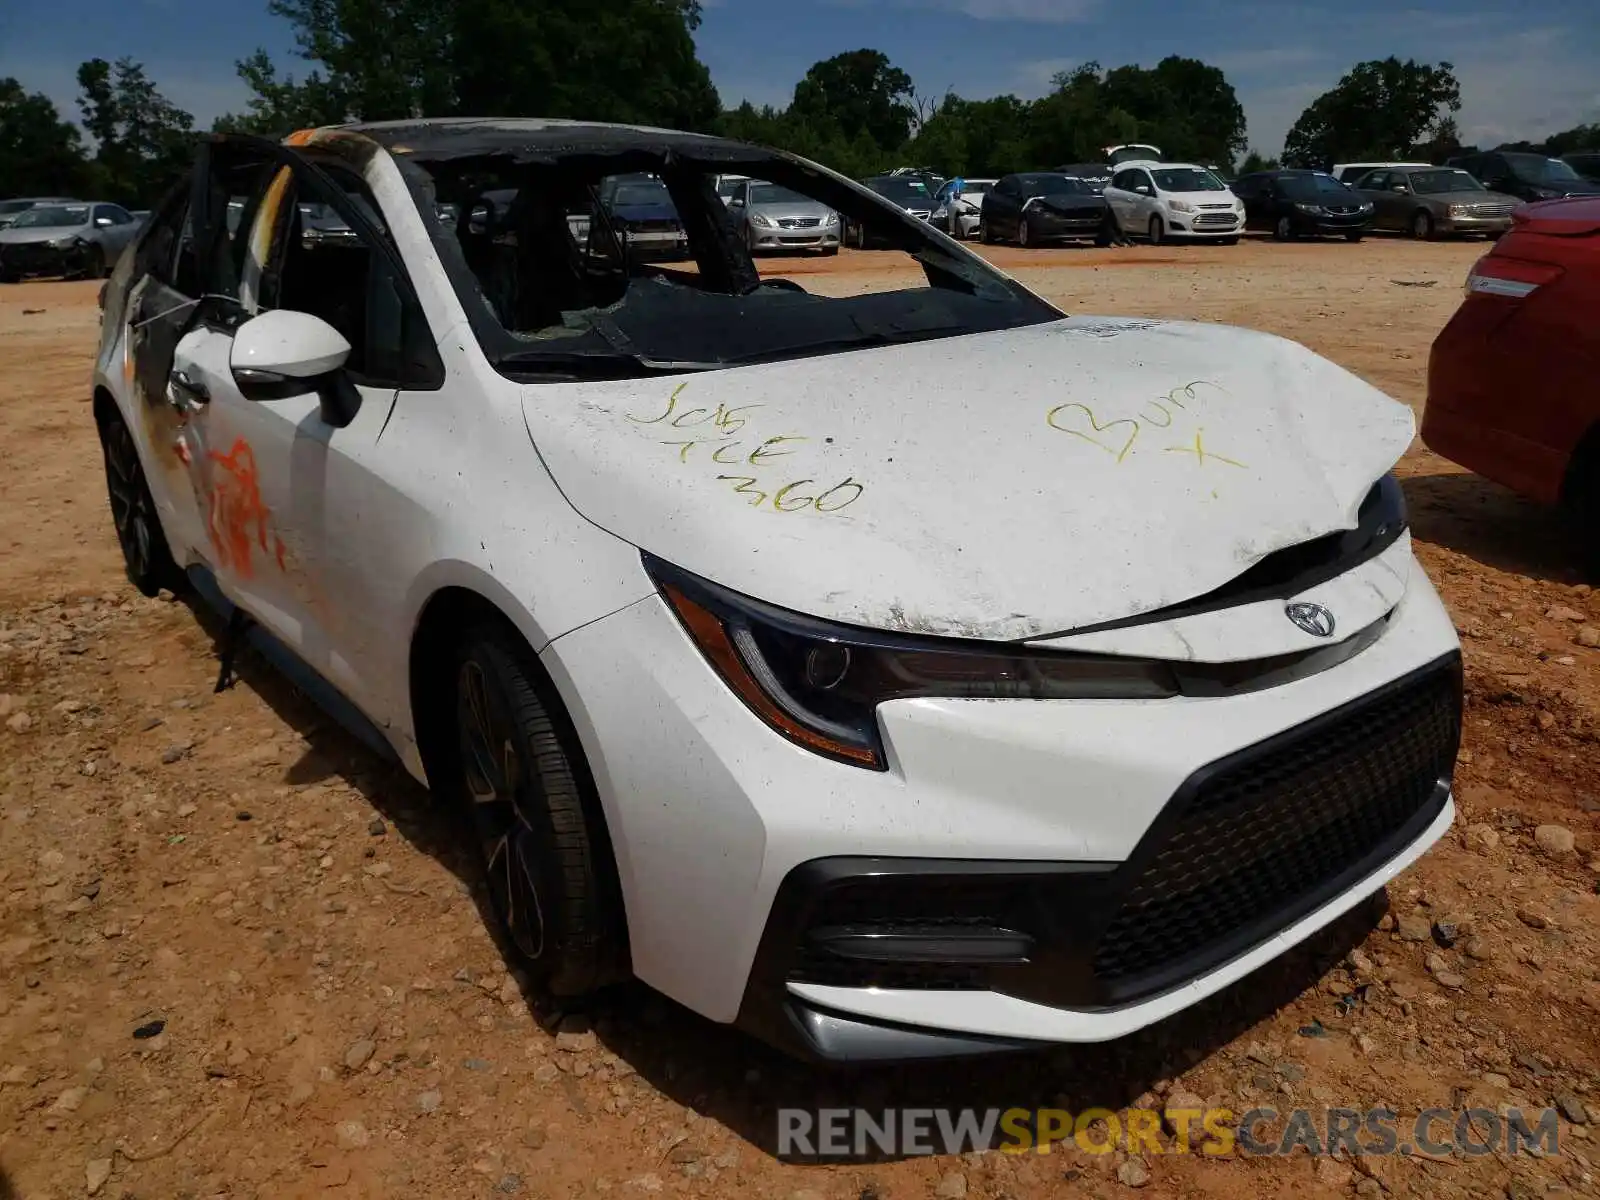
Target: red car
{"x":1514,"y":378}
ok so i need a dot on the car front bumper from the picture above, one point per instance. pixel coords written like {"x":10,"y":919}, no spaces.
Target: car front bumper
{"x":1331,"y":226}
{"x":759,"y":879}
{"x":1045,"y":225}
{"x":656,"y":246}
{"x":816,"y":237}
{"x":1216,"y":224}
{"x":40,"y":258}
{"x":1473,"y":224}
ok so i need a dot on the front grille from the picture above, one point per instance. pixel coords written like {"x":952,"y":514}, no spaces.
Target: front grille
{"x":1492,"y":210}
{"x":32,"y":256}
{"x":1216,"y":220}
{"x":1281,"y":827}
{"x":1342,"y":211}
{"x":799,"y":222}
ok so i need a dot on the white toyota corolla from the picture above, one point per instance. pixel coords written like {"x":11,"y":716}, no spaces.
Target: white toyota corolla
{"x":896,"y":674}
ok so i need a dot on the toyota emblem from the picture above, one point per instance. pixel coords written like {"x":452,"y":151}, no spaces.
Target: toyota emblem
{"x":1313,"y":618}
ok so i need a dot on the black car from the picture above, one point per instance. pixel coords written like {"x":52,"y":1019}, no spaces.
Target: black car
{"x":644,"y":217}
{"x":1294,"y":203}
{"x":910,"y":192}
{"x":1043,"y":206}
{"x":1526,"y":176}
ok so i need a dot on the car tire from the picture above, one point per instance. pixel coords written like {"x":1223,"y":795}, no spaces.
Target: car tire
{"x":94,"y":264}
{"x":532,"y":813}
{"x":146,"y":556}
{"x":1283,"y":230}
{"x":1024,"y":237}
{"x":1422,"y":226}
{"x":985,"y":234}
{"x":1157,"y":231}
{"x":1354,"y":237}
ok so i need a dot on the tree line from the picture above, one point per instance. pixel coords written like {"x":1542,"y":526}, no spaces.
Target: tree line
{"x":635,"y":61}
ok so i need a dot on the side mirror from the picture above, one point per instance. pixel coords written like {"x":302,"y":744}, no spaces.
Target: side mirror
{"x":1144,"y":189}
{"x":1398,"y":187}
{"x":285,"y":353}
{"x":102,"y":222}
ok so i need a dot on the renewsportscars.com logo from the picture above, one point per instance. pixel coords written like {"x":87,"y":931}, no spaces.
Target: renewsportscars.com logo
{"x":857,"y":1133}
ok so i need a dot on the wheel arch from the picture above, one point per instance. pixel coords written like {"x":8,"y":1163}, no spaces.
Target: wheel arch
{"x":1583,"y":468}
{"x":443,"y":615}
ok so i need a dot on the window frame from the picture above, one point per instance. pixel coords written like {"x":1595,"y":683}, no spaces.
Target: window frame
{"x":326,"y":188}
{"x":429,"y":375}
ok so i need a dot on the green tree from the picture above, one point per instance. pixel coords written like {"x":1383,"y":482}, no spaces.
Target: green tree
{"x":608,"y":60}
{"x":1382,"y":109}
{"x":1254,"y":162}
{"x":143,"y":141}
{"x":40,"y":154}
{"x":854,"y":92}
{"x":982,"y":138}
{"x":279,"y":107}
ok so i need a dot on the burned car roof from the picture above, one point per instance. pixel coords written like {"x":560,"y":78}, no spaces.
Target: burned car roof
{"x":537,"y":139}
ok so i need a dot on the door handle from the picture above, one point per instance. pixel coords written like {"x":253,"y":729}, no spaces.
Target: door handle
{"x":186,"y":387}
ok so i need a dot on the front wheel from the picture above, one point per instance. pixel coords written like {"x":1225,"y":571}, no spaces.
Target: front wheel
{"x":145,"y":554}
{"x":985,"y":234}
{"x":1283,"y":231}
{"x":1157,"y":231}
{"x":1024,"y":234}
{"x":533,"y":816}
{"x":1422,"y":227}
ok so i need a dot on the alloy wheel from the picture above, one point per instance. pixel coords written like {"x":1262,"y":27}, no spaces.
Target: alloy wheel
{"x":131,"y":510}
{"x":502,"y":792}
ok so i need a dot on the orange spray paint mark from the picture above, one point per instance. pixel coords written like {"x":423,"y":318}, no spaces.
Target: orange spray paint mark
{"x":237,"y":515}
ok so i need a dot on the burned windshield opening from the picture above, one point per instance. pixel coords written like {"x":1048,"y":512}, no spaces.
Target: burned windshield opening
{"x":582,"y":264}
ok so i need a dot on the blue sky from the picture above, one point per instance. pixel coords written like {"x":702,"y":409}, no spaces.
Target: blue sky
{"x":1524,"y":70}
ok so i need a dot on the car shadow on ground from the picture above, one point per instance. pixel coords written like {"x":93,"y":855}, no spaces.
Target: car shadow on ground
{"x":1491,"y":525}
{"x":724,"y":1074}
{"x":8,"y":1191}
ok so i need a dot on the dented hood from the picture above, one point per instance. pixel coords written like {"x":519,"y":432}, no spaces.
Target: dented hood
{"x":1000,"y":485}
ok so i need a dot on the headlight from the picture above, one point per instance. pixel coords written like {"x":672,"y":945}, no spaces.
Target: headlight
{"x":1460,"y":210}
{"x":1180,"y":206}
{"x":63,"y":243}
{"x":819,"y":684}
{"x":1366,"y":206}
{"x":763,"y":221}
{"x":1314,"y":209}
{"x":831,"y":219}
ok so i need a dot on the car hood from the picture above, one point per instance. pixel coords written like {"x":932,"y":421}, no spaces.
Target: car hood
{"x":1226,"y":198}
{"x":1000,"y":485}
{"x":18,"y":237}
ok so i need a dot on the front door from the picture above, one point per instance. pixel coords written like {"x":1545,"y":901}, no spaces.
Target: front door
{"x":285,"y":472}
